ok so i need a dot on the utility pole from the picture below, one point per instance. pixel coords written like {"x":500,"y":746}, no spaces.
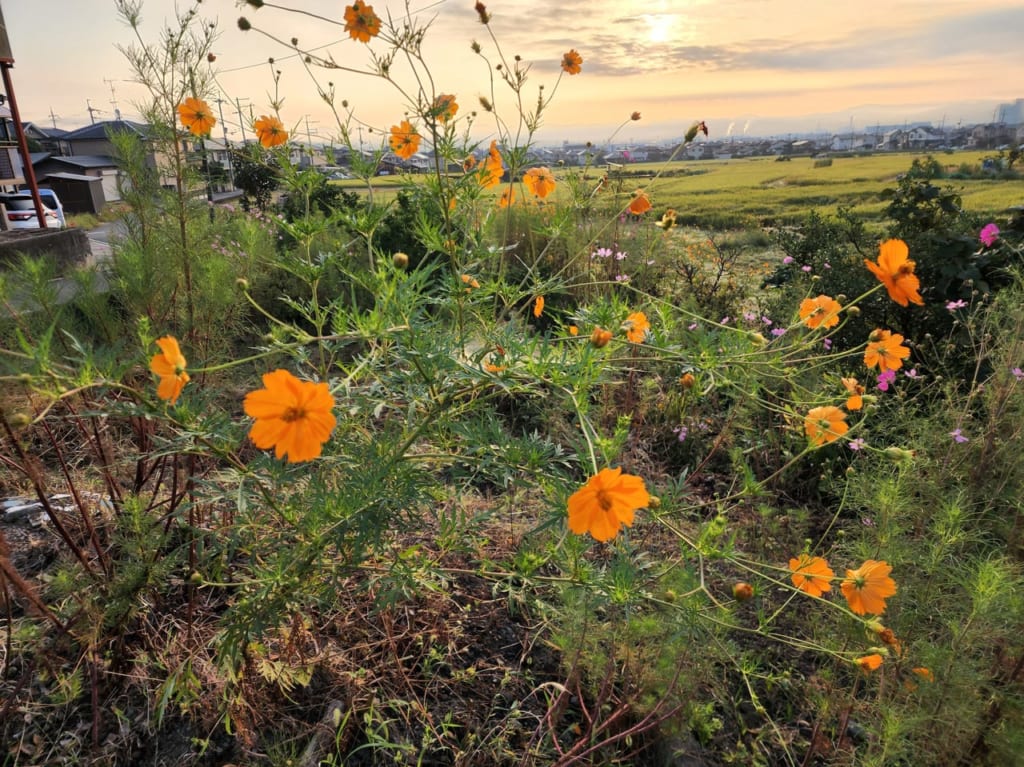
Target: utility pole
{"x":309,"y":141}
{"x":241,"y":120}
{"x":53,"y":118}
{"x":227,"y":144}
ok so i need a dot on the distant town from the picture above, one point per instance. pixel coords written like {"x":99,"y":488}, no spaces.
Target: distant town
{"x":80,"y":164}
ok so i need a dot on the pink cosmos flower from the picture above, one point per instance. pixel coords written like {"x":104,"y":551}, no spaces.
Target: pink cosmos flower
{"x":988,"y":235}
{"x":886,"y":378}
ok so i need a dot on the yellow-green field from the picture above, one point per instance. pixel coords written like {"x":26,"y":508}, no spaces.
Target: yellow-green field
{"x":747,"y":192}
{"x":763,"y":189}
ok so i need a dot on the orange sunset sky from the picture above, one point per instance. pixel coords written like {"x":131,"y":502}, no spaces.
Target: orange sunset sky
{"x":763,"y":67}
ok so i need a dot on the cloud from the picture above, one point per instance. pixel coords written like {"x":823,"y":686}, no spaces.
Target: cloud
{"x":619,"y":46}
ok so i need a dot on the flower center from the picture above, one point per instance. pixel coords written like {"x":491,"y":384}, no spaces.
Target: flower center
{"x":293,"y":414}
{"x":603,"y":500}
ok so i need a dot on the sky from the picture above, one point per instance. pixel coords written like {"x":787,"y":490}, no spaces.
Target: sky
{"x":746,"y":67}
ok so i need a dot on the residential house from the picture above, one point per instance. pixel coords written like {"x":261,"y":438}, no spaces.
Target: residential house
{"x":45,"y":139}
{"x":921,"y":137}
{"x":990,"y":136}
{"x":95,"y":139}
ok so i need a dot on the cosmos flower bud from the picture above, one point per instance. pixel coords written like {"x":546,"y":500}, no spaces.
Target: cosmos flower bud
{"x":635,"y":116}
{"x":853,"y":311}
{"x":243,"y":24}
{"x":742,"y":592}
{"x":400,"y":260}
{"x":687,"y":380}
{"x":242,"y":284}
{"x":19,"y":420}
{"x":600,"y":338}
{"x":899,"y":454}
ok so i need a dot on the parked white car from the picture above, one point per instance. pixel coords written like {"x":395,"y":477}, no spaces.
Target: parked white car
{"x":21,"y":210}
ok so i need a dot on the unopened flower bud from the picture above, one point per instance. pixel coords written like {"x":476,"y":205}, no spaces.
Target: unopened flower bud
{"x":853,"y":311}
{"x":400,"y":260}
{"x":687,"y":380}
{"x":243,"y":24}
{"x":742,"y":592}
{"x":654,"y":502}
{"x":19,"y":420}
{"x":875,"y":335}
{"x":600,"y":337}
{"x":757,"y":339}
{"x":899,"y":454}
{"x":635,"y":116}
{"x":242,"y":284}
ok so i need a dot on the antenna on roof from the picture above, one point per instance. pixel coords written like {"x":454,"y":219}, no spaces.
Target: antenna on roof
{"x":113,"y":98}
{"x":91,"y":108}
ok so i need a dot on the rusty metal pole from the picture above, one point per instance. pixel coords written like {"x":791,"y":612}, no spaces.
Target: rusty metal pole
{"x":19,"y":131}
{"x":6,"y":63}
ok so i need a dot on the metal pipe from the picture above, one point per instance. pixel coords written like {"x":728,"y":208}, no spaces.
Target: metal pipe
{"x":19,"y":130}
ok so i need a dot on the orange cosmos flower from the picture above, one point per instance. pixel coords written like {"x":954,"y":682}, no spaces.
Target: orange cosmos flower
{"x":196,"y":116}
{"x":811,"y":575}
{"x":870,"y":662}
{"x":270,"y":131}
{"x":820,"y":311}
{"x":492,"y":170}
{"x":507,"y":197}
{"x":169,"y":365}
{"x":294,"y":417}
{"x":470,"y":281}
{"x":855,"y":401}
{"x":825,"y":424}
{"x":572,"y":62}
{"x":539,"y":181}
{"x":444,"y":107}
{"x":884,"y":351}
{"x":405,"y":141}
{"x":361,"y":22}
{"x":896,"y":271}
{"x":606,"y":503}
{"x":925,"y":673}
{"x":867,"y":587}
{"x":538,"y":306}
{"x":639,"y":204}
{"x":636,"y":326}
{"x":573,"y":330}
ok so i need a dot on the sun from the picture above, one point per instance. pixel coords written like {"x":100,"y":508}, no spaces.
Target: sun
{"x":659,"y":26}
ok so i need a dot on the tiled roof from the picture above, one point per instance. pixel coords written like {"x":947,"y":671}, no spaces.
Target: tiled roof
{"x":99,"y":130}
{"x":87,"y":161}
